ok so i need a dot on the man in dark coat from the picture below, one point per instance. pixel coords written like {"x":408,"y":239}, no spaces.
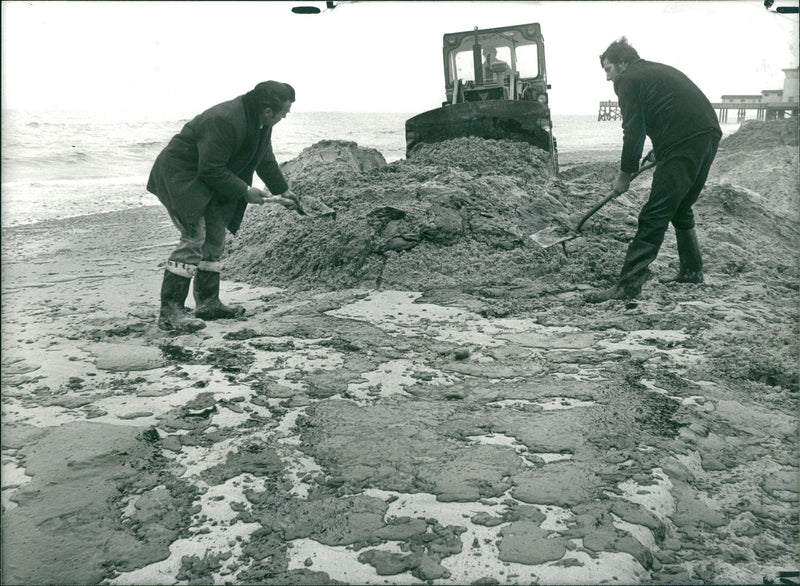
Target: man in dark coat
{"x":203,"y":177}
{"x":660,"y":102}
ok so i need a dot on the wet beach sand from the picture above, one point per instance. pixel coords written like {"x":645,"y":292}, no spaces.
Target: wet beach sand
{"x":418,"y":392}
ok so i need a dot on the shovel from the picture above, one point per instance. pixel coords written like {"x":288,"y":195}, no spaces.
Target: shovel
{"x":313,"y":206}
{"x":552,"y":235}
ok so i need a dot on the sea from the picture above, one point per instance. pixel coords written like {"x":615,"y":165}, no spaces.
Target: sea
{"x":65,"y":164}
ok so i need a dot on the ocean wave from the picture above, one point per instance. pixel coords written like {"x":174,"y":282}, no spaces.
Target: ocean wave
{"x":148,"y":144}
{"x":142,"y":179}
{"x":54,"y":159}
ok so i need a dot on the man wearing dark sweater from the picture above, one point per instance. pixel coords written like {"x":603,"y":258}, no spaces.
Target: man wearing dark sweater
{"x":660,"y":102}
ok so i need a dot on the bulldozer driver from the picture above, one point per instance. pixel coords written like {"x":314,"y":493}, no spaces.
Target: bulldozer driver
{"x":494,"y":70}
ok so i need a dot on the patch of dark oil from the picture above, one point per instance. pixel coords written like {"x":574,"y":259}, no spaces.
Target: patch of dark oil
{"x":175,"y":353}
{"x":645,"y":416}
{"x":118,"y":330}
{"x":255,"y":458}
{"x":631,"y":415}
{"x":232,"y":358}
{"x":150,"y":436}
{"x":284,"y":346}
{"x":243,"y":334}
{"x":656,"y":413}
{"x":235,"y":358}
{"x":155,"y":518}
{"x":125,"y":382}
{"x":196,"y":570}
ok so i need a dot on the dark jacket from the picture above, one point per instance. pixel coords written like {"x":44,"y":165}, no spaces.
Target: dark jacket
{"x":211,"y":162}
{"x":661,"y":102}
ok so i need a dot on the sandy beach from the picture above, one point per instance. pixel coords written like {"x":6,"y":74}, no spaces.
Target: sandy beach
{"x":367,"y":431}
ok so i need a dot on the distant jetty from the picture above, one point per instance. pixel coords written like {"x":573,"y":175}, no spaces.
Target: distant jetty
{"x":768,"y":105}
{"x":610,"y":110}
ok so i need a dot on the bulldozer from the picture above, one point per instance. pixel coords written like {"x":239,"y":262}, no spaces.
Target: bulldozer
{"x":495,"y":86}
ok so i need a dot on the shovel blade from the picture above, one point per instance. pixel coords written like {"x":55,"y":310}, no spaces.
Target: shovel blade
{"x":551,"y":236}
{"x":313,"y":206}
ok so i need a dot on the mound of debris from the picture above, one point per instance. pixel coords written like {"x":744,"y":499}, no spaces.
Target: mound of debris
{"x":459,"y":214}
{"x":451,"y":212}
{"x":763,"y":158}
{"x":758,"y":134}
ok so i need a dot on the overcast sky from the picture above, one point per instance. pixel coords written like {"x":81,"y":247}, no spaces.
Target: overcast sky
{"x":182,"y":57}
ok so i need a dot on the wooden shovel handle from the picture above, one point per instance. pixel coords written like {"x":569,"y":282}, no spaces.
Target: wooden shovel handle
{"x":609,"y":197}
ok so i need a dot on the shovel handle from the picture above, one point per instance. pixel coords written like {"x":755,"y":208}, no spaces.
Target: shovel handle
{"x":609,"y":197}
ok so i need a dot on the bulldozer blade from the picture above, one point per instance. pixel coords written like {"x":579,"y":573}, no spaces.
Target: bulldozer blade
{"x":492,"y":119}
{"x":552,"y":235}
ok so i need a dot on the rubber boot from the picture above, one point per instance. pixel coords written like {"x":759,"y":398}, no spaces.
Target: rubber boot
{"x":173,"y":318}
{"x":691,"y":261}
{"x":206,"y":296}
{"x":633,"y":275}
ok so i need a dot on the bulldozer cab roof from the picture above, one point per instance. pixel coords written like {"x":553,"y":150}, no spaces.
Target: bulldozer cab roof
{"x":523,"y":34}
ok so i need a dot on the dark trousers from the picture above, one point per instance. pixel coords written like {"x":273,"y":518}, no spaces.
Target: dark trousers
{"x":678,"y":180}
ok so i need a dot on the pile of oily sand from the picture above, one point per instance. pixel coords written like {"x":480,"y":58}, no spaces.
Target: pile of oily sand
{"x":757,"y":134}
{"x":459,"y":214}
{"x":763,"y":157}
{"x":456,"y":212}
